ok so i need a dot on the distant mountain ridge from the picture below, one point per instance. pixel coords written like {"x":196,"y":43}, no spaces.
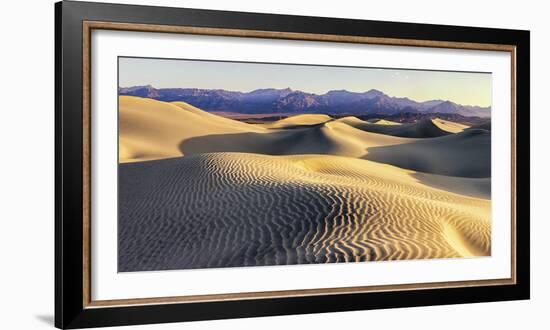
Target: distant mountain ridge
{"x":272,"y":101}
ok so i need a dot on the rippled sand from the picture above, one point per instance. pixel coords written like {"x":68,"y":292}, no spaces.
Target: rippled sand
{"x":197,"y":190}
{"x":232,"y":209}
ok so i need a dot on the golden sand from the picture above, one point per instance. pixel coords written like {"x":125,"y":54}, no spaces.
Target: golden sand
{"x":449,"y":126}
{"x":298,"y":195}
{"x":385,"y":122}
{"x":242,"y":209}
{"x":152,"y":129}
{"x":298,"y":120}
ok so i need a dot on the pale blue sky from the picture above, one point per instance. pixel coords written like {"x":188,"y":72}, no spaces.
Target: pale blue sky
{"x":461,"y":87}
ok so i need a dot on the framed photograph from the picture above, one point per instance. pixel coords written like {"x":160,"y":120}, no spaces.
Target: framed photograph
{"x":214,"y":164}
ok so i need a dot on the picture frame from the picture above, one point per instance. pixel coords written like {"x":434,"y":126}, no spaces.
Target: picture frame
{"x":75,"y":307}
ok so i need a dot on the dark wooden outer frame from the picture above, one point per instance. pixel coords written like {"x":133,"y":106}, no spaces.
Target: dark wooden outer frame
{"x":74,"y":20}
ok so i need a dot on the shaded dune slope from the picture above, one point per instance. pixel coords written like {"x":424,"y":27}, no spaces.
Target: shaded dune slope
{"x":231,"y":209}
{"x":427,"y":128}
{"x":465,"y":154}
{"x":473,"y":187}
{"x":486,"y":126}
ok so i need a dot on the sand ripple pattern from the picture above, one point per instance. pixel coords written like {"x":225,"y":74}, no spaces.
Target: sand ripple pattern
{"x":240,"y":209}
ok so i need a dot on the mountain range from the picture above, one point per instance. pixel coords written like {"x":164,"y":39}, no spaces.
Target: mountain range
{"x":273,"y":101}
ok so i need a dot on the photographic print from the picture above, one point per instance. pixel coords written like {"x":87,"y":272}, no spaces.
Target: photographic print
{"x":238,"y":164}
{"x":215,"y":164}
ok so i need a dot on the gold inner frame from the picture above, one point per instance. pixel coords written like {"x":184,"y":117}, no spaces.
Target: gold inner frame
{"x":88,"y":26}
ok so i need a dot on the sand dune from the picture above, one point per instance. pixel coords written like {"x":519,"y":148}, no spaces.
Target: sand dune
{"x":150,"y":129}
{"x":385,"y":122}
{"x":465,"y":154}
{"x":331,"y":138}
{"x":473,"y":187}
{"x":197,"y":190}
{"x":449,"y":126}
{"x":298,"y":120}
{"x":427,"y":128}
{"x":486,"y":126}
{"x":234,"y":209}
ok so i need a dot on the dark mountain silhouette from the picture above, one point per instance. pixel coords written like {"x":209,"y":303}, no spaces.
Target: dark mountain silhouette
{"x":273,"y":101}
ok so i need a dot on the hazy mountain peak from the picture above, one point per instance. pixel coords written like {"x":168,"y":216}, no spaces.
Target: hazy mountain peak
{"x":374,"y":92}
{"x":338,"y":91}
{"x":272,"y":100}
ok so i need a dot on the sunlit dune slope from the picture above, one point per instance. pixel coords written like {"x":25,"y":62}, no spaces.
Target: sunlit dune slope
{"x":234,"y":209}
{"x":298,"y":120}
{"x":449,"y":126}
{"x":426,"y":128}
{"x":352,"y":121}
{"x":385,"y":122}
{"x":150,"y":129}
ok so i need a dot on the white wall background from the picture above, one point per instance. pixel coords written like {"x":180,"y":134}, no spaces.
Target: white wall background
{"x":27,"y":168}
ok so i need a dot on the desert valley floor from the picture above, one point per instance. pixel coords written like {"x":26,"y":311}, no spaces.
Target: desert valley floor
{"x":197,"y":190}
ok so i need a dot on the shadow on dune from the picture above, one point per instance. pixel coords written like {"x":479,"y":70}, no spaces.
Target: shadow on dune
{"x":300,"y":126}
{"x":465,"y":154}
{"x":486,"y":126}
{"x":315,"y":139}
{"x":422,"y":129}
{"x":473,"y":187}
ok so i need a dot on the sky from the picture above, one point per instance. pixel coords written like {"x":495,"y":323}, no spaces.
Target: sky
{"x":464,"y":88}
